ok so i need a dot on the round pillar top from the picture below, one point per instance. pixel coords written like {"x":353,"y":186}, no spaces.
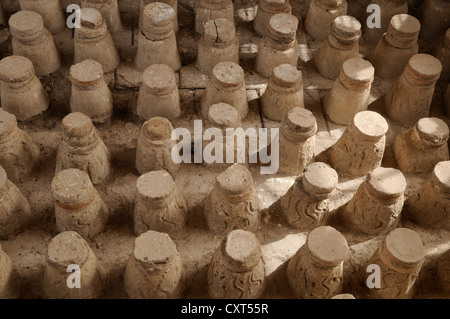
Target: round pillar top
{"x":319,"y":179}
{"x":228,"y":74}
{"x":386,"y":183}
{"x":68,"y":248}
{"x":16,"y":68}
{"x":77,"y":124}
{"x":235,"y":180}
{"x":241,"y":249}
{"x":91,"y":18}
{"x":331,"y":4}
{"x":344,"y":296}
{"x":26,"y":24}
{"x":220,"y":31}
{"x":346,"y":28}
{"x":155,"y":185}
{"x":275,"y":5}
{"x":404,"y":247}
{"x":71,"y":186}
{"x":424,"y":68}
{"x":158,"y":18}
{"x":157,"y":128}
{"x":327,"y":246}
{"x":154,"y":248}
{"x":286,"y":75}
{"x":370,"y":124}
{"x":405,"y":26}
{"x":3,"y":179}
{"x":441,"y":175}
{"x":159,"y":78}
{"x":86,"y":73}
{"x":7,"y":123}
{"x":357,"y":73}
{"x":224,"y":115}
{"x":283,"y":26}
{"x":301,"y":120}
{"x":432,"y":130}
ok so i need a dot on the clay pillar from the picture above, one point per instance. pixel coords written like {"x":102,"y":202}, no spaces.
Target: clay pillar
{"x":434,"y":17}
{"x":232,"y":203}
{"x":110,"y":12}
{"x":78,"y":206}
{"x":158,"y":94}
{"x":321,"y":15}
{"x":82,"y":148}
{"x":305,"y":205}
{"x":236,"y":270}
{"x":316,"y":270}
{"x":50,"y":11}
{"x":284,"y":92}
{"x":206,"y":10}
{"x":172,"y":3}
{"x":90,"y":95}
{"x":10,"y":279}
{"x":361,"y":148}
{"x":266,"y":10}
{"x":154,"y":270}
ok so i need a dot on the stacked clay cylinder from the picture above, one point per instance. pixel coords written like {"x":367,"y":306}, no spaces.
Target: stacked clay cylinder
{"x":361,"y":148}
{"x":172,"y":3}
{"x":284,"y":92}
{"x":400,"y":256}
{"x":82,"y":148}
{"x":90,"y":94}
{"x":306,"y":203}
{"x":219,"y":43}
{"x":154,"y":147}
{"x":376,"y":207}
{"x":78,"y":205}
{"x":316,"y":269}
{"x":396,"y":46}
{"x":388,"y":9}
{"x":110,"y":12}
{"x":409,"y":98}
{"x":279,"y":45}
{"x":350,"y":93}
{"x":32,"y":40}
{"x":430,"y":205}
{"x":236,"y":270}
{"x":232,"y":203}
{"x":340,"y":46}
{"x":266,"y":10}
{"x":50,"y":11}
{"x":67,"y":252}
{"x":158,"y":94}
{"x":154,"y":270}
{"x":226,"y":85}
{"x":419,"y":149}
{"x":442,"y":52}
{"x":93,"y":41}
{"x":159,"y":206}
{"x":22,"y":94}
{"x":297,"y":141}
{"x":321,"y":15}
{"x":18,"y":153}
{"x":157,"y":43}
{"x":206,"y":10}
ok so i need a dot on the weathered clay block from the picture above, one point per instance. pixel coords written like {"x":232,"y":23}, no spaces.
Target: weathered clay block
{"x":159,"y":205}
{"x":236,"y":270}
{"x":70,"y":249}
{"x":78,"y":206}
{"x":154,"y":270}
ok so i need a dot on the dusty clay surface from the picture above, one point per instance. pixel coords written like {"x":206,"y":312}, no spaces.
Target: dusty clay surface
{"x":195,"y":244}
